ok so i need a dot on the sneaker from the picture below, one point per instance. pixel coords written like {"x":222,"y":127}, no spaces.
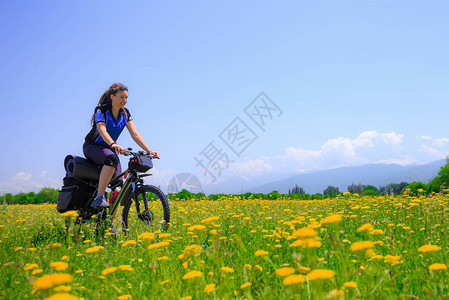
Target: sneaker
{"x":100,"y":202}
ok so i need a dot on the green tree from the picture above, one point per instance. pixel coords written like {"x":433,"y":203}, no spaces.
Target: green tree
{"x":273,"y":195}
{"x":370,"y":190}
{"x":48,"y":195}
{"x":184,"y":194}
{"x":415,"y":186}
{"x":331,"y":191}
{"x":441,"y":181}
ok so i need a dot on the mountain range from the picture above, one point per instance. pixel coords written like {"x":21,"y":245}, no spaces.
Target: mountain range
{"x":377,"y":175}
{"x":371,"y":174}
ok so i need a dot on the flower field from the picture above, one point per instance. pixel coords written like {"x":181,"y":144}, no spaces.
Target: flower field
{"x":348,"y":247}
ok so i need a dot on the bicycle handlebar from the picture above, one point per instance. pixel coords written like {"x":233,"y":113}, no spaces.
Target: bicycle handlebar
{"x":129,"y":152}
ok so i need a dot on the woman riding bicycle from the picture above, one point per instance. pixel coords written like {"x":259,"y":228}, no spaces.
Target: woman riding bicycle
{"x":109,"y":120}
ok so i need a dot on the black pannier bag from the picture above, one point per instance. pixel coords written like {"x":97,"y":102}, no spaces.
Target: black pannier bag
{"x":74,"y":194}
{"x":140,"y":163}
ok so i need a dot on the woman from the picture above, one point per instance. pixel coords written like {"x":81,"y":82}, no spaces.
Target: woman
{"x":109,"y":120}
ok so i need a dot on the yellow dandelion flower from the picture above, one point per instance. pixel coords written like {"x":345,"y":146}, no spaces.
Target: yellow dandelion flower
{"x":79,"y":271}
{"x":54,"y":245}
{"x":245,"y":285}
{"x":164,"y":282}
{"x":18,"y":248}
{"x":65,"y":257}
{"x":37,"y":271}
{"x":377,"y":256}
{"x":158,"y":245}
{"x":109,"y":271}
{"x":261,"y":253}
{"x":293,"y":279}
{"x":62,"y":296}
{"x":48,"y":281}
{"x":59,"y":265}
{"x":320,"y":274}
{"x":305,"y":232}
{"x":70,"y":213}
{"x":146,"y":236}
{"x":186,"y":298}
{"x":285,"y":271}
{"x":94,"y":249}
{"x":428,"y":248}
{"x":30,"y":267}
{"x":129,"y":242}
{"x":192,"y":274}
{"x":258,"y":268}
{"x":210,"y":220}
{"x":227,"y":269}
{"x":63,"y":288}
{"x":391,"y":258}
{"x":350,"y":284}
{"x":331,"y":219}
{"x":306,"y":243}
{"x":162,"y":258}
{"x":434,"y":267}
{"x":209,"y":288}
{"x":247,"y":266}
{"x":376,"y":231}
{"x":358,"y":246}
{"x":124,"y":297}
{"x":196,"y":227}
{"x":364,"y":227}
{"x":190,"y":250}
{"x":126,"y":268}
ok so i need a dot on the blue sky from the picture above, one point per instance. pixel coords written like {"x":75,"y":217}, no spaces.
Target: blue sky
{"x":356,"y":82}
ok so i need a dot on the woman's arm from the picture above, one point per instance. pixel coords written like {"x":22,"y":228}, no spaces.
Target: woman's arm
{"x":138,"y":138}
{"x":101,"y":128}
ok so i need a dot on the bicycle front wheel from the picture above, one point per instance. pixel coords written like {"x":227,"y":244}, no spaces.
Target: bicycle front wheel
{"x":157,"y":217}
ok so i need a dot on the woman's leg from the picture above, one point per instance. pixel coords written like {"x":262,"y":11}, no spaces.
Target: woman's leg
{"x":105,"y":177}
{"x":102,"y":155}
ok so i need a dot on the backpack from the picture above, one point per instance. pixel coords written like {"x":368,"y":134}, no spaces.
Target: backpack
{"x":74,"y":194}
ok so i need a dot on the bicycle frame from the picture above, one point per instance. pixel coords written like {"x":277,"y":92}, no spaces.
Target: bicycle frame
{"x":130,"y":185}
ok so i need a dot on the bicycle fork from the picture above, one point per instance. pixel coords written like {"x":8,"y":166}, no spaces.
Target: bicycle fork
{"x":146,"y":216}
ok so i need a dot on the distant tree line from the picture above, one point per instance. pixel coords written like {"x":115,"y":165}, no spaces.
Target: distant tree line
{"x":436,"y":185}
{"x":45,"y":195}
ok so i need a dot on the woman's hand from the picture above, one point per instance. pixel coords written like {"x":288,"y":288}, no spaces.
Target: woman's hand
{"x":118,"y":149}
{"x":154,"y":153}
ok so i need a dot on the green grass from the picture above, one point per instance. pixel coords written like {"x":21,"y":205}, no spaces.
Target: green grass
{"x":243,"y":227}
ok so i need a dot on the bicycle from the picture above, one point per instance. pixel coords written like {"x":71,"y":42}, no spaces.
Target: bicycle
{"x":133,"y":190}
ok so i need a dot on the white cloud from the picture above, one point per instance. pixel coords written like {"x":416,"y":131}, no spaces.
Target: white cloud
{"x":22,"y":176}
{"x":433,"y":152}
{"x":439,"y":142}
{"x":251,"y":167}
{"x":24,"y":182}
{"x":343,"y":148}
{"x":426,"y":137}
{"x":393,"y":139}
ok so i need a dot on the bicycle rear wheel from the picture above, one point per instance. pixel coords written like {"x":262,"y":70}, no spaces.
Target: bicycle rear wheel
{"x":157,"y":217}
